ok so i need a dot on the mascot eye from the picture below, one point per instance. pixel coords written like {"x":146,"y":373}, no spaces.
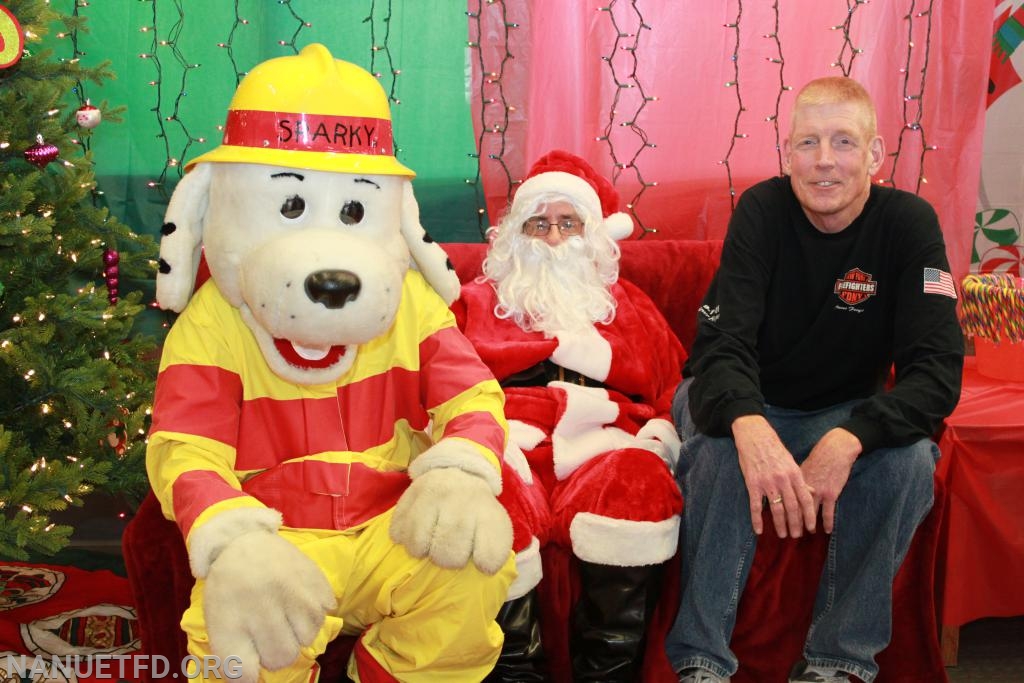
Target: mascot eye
{"x":352,"y":213}
{"x":293,"y":207}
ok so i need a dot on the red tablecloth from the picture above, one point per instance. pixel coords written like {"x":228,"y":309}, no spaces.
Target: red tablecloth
{"x":982,"y":466}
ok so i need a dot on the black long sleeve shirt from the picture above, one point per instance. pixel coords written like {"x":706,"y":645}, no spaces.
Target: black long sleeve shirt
{"x":798,"y":318}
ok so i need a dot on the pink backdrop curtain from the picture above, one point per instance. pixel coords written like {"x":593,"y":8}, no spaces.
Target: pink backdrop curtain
{"x":639,"y":89}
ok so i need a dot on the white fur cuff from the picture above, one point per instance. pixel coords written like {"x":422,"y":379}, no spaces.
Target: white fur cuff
{"x":528,"y":570}
{"x":621,"y":542}
{"x":516,"y":459}
{"x":207,"y":541}
{"x":458,"y":453}
{"x":580,"y":433}
{"x":526,"y":436}
{"x":664,"y":432}
{"x":586,"y":352}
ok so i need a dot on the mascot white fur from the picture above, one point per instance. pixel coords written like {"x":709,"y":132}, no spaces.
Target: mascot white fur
{"x":323,"y":435}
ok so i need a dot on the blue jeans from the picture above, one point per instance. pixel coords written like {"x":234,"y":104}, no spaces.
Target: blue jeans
{"x":887,"y":495}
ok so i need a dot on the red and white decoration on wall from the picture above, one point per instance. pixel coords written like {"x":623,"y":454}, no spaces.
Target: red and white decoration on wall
{"x":998,"y":244}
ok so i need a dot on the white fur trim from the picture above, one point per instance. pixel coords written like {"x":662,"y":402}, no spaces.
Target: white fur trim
{"x":623,"y":543}
{"x":458,"y":453}
{"x":586,"y":352}
{"x":515,"y":459}
{"x":619,"y":225}
{"x":569,"y":454}
{"x":666,"y":441}
{"x":526,"y":436}
{"x":180,"y":250}
{"x":205,"y":542}
{"x":529,"y":571}
{"x":581,"y":433}
{"x":558,"y":182}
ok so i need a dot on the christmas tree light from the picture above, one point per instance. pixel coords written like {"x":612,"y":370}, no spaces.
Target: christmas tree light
{"x":72,"y":369}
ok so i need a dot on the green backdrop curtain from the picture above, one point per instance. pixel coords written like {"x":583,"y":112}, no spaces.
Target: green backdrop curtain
{"x":172,"y":105}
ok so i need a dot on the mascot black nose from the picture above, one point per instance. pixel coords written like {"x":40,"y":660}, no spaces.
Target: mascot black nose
{"x":332,"y":288}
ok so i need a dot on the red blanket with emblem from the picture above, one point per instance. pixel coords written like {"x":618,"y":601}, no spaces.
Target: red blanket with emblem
{"x":61,"y":623}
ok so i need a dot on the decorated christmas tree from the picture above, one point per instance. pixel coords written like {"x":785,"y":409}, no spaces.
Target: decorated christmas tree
{"x":76,"y":377}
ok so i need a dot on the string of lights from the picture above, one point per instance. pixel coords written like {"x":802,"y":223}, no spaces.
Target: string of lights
{"x":186,"y":66}
{"x":735,"y":84}
{"x":300,"y":24}
{"x":631,"y":82}
{"x":492,"y":95}
{"x":78,"y":90}
{"x":846,"y":49}
{"x":384,"y":48}
{"x":783,"y":88}
{"x":229,"y":45}
{"x":914,"y":97}
{"x":111,"y":271}
{"x":171,"y":161}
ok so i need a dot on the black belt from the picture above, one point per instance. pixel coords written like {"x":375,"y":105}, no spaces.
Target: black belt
{"x":540,"y":374}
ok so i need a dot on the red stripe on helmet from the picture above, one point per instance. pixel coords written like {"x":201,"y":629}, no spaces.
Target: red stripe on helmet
{"x":308,"y":132}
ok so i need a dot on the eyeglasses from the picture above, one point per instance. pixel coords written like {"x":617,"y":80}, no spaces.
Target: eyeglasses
{"x":538,"y":227}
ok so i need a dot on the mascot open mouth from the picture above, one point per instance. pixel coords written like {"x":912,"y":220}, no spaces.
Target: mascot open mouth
{"x":306,"y":358}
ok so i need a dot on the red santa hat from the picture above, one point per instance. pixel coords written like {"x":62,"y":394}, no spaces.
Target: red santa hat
{"x":563,"y":173}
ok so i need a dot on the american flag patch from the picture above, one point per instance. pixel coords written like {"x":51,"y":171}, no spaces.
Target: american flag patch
{"x":939,"y":282}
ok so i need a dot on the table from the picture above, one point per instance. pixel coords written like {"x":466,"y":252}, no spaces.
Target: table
{"x":981,"y":557}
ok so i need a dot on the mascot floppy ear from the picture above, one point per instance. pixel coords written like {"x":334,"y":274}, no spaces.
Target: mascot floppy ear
{"x":182,"y":237}
{"x":427,"y":255}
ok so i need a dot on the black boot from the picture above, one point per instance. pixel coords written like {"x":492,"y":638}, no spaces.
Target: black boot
{"x":522,"y":657}
{"x":610,"y":621}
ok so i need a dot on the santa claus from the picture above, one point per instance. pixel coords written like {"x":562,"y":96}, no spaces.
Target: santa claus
{"x":589,"y":366}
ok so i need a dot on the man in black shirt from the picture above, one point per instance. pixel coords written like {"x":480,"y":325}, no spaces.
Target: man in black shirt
{"x":826,"y":283}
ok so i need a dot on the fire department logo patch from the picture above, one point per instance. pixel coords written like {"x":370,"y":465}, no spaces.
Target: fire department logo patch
{"x":855,"y":287}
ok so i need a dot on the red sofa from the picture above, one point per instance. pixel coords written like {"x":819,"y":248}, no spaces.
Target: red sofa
{"x":773,"y":616}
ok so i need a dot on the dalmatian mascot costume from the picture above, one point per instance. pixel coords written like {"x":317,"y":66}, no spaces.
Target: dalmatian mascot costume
{"x":323,"y":435}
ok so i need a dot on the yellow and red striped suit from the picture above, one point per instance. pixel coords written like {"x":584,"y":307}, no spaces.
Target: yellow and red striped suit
{"x":228,"y":433}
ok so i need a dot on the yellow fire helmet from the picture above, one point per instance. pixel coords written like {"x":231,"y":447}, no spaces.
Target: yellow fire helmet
{"x":309,"y":111}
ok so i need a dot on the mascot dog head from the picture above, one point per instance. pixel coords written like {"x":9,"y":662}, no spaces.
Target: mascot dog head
{"x":307,"y":220}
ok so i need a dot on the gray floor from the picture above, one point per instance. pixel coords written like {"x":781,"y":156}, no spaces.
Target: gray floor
{"x":991,"y":651}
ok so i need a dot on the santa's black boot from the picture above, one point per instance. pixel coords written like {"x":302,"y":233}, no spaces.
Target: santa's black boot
{"x":522,"y":657}
{"x":610,"y":621}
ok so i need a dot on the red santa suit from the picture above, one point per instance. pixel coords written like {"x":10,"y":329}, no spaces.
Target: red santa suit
{"x":600,"y":456}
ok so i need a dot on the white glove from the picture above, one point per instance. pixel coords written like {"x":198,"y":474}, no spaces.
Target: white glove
{"x":263,"y":601}
{"x":452,"y":516}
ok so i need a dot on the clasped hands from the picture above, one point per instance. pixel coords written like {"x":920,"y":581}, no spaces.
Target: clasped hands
{"x":794,"y":493}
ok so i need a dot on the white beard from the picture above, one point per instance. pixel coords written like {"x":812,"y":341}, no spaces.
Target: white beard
{"x":552,"y":289}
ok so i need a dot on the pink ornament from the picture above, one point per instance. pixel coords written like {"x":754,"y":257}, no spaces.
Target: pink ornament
{"x":111,"y":271}
{"x":41,"y":153}
{"x":88,"y":116}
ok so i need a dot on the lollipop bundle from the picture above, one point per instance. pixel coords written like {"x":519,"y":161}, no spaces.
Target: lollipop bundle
{"x":993,"y":307}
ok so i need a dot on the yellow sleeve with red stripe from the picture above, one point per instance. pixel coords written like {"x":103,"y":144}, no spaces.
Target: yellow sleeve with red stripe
{"x":191,"y":452}
{"x":462,"y":397}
